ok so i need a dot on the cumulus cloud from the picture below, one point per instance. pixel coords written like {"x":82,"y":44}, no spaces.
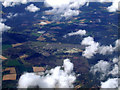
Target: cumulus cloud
{"x":114,"y":7}
{"x":109,"y":49}
{"x":92,"y":47}
{"x":54,"y":78}
{"x":29,"y":79}
{"x":32,"y":8}
{"x":106,"y":69}
{"x":10,"y":3}
{"x":106,"y":50}
{"x":72,"y":3}
{"x":70,"y":13}
{"x":11,"y":15}
{"x":4,"y":27}
{"x":87,"y":41}
{"x":79,"y":32}
{"x":2,"y":20}
{"x":68,"y":66}
{"x":57,"y":3}
{"x":68,"y":8}
{"x":65,"y":7}
{"x":117,"y":45}
{"x":102,"y":67}
{"x":110,"y":83}
{"x":91,"y":50}
{"x":115,"y":60}
{"x":114,"y":71}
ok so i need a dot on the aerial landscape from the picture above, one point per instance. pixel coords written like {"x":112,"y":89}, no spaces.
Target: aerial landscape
{"x":59,"y":44}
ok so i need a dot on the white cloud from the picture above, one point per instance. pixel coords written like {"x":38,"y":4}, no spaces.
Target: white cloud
{"x":91,"y":50}
{"x":54,"y":78}
{"x":4,"y":27}
{"x":102,"y":66}
{"x":114,"y":7}
{"x":110,"y":83}
{"x":68,"y":66}
{"x":77,"y":4}
{"x":57,"y":3}
{"x":65,"y":7}
{"x":11,"y":3}
{"x":32,"y":8}
{"x":115,"y":60}
{"x":2,"y":20}
{"x":43,"y":23}
{"x":79,"y":32}
{"x":115,"y":70}
{"x":117,"y":45}
{"x":29,"y":79}
{"x":106,"y":69}
{"x":106,"y":50}
{"x":88,"y":41}
{"x":11,"y":15}
{"x":92,"y":47}
{"x":70,"y":13}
